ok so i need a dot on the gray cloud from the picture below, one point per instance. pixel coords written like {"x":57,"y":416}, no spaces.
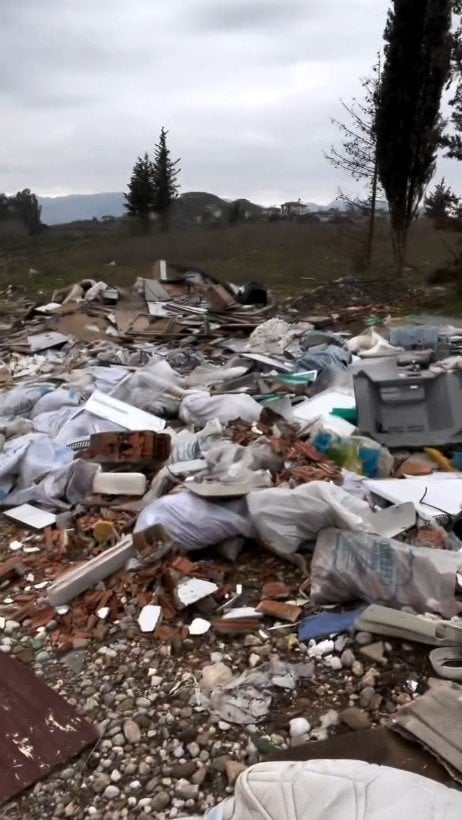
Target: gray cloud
{"x":246,"y":88}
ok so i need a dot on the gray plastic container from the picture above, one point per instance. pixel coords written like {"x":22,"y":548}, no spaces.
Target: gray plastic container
{"x":412,"y":410}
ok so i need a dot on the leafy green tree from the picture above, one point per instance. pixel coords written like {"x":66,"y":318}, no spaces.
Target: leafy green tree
{"x":408,"y":122}
{"x":164,"y":179}
{"x":139,"y":202}
{"x":26,"y":207}
{"x":441,"y":205}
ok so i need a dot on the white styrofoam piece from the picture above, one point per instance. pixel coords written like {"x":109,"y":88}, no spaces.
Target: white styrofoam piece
{"x":78,"y":579}
{"x":194,"y":589}
{"x":125,"y":415}
{"x":149,"y":617}
{"x":119,"y":483}
{"x":313,"y":408}
{"x":441,"y":494}
{"x":31,"y":516}
{"x":199,"y":626}
{"x":393,"y":520}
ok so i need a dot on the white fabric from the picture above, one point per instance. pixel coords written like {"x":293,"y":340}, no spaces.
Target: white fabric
{"x":336,"y":790}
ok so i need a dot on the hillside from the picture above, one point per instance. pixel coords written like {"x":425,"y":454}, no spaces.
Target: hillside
{"x":189,"y":208}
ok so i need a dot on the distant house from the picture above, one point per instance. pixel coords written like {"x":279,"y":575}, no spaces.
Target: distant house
{"x":271,"y":212}
{"x":293,"y":208}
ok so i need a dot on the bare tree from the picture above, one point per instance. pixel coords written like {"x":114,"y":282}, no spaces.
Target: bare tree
{"x":358,"y":153}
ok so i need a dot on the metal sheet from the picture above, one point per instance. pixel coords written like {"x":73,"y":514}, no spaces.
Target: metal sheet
{"x":38,"y":729}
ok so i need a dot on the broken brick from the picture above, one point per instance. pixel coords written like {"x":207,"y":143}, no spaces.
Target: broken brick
{"x":280,"y":610}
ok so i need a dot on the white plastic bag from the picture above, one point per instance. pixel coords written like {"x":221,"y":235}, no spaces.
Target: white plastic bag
{"x":194,"y":523}
{"x":198,"y":407}
{"x":285,"y":519}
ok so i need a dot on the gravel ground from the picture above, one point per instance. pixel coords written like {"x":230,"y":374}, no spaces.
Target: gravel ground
{"x":160,"y":754}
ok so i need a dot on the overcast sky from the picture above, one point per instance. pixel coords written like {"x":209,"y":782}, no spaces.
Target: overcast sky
{"x":245,"y":87}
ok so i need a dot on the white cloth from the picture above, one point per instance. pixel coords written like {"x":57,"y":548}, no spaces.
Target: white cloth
{"x":336,"y":790}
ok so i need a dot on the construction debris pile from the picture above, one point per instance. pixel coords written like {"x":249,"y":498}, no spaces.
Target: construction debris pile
{"x":150,"y":437}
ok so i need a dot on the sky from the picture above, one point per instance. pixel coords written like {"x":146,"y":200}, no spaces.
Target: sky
{"x":246,"y":89}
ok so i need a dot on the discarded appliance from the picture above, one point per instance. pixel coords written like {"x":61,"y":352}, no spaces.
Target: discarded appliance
{"x":412,"y":410}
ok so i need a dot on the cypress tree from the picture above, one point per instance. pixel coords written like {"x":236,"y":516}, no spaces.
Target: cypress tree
{"x":164,"y":176}
{"x":408,"y":124}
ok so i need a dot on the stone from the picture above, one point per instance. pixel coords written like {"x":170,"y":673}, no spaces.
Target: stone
{"x":183,"y":771}
{"x":193,"y":749}
{"x":199,"y":776}
{"x":159,"y":802}
{"x":358,"y":669}
{"x":233,"y":769}
{"x":132,"y":731}
{"x":299,"y":727}
{"x":374,"y":652}
{"x":111,"y":792}
{"x":115,"y":776}
{"x":333,"y":662}
{"x":363,"y":638}
{"x":355,"y":718}
{"x":188,"y":791}
{"x":366,"y":697}
{"x":100,"y":782}
{"x":347,"y":658}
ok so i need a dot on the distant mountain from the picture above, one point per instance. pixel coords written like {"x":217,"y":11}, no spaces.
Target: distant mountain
{"x":71,"y":208}
{"x":192,"y":206}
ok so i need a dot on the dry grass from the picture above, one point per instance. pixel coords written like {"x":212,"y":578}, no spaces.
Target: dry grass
{"x":284,"y":256}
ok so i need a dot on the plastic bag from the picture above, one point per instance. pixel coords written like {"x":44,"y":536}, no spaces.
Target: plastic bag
{"x":198,"y":407}
{"x":155,"y":388}
{"x":350,"y":566}
{"x":194,"y":523}
{"x":20,"y":400}
{"x":50,"y":402}
{"x":285,"y":519}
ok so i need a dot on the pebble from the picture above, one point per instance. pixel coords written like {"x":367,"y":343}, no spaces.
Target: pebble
{"x":358,"y":669}
{"x":188,"y":791}
{"x":333,"y":662}
{"x":111,"y":792}
{"x":193,"y":749}
{"x":100,"y":782}
{"x":366,"y":697}
{"x":347,"y":658}
{"x":233,"y":769}
{"x":132,"y":731}
{"x":363,"y":638}
{"x":115,"y":776}
{"x":143,"y":703}
{"x":299,"y":727}
{"x":159,"y":802}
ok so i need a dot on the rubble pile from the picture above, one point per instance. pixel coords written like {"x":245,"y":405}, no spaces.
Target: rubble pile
{"x":234,"y":522}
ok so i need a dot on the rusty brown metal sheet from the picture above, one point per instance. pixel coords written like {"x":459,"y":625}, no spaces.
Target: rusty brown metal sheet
{"x":38,"y":729}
